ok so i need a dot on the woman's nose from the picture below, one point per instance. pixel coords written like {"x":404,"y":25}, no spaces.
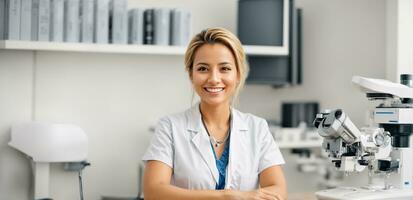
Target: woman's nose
{"x":214,"y":76}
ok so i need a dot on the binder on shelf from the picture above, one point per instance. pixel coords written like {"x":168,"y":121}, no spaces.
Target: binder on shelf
{"x":35,"y":20}
{"x":44,"y":20}
{"x":161,"y":26}
{"x":12,"y":22}
{"x":87,"y":17}
{"x":119,"y":25}
{"x":2,"y":19}
{"x":72,"y":26}
{"x":56,"y":25}
{"x":25,"y":20}
{"x":136,"y":26}
{"x":148,"y":26}
{"x":180,"y":27}
{"x":101,"y":21}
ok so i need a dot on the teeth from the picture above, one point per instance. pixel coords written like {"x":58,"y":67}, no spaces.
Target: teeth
{"x":214,"y":89}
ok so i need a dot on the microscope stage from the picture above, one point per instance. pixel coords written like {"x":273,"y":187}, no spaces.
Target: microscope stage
{"x":351,"y":193}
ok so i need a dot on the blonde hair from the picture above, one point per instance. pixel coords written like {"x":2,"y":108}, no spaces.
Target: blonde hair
{"x":226,"y":38}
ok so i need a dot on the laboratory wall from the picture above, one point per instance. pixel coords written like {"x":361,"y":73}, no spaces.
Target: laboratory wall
{"x":115,"y":98}
{"x":16,"y":93}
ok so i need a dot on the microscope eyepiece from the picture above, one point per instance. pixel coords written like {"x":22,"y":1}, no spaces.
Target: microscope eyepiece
{"x":338,"y":113}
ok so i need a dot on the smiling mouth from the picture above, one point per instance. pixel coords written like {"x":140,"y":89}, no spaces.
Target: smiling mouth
{"x":214,"y":89}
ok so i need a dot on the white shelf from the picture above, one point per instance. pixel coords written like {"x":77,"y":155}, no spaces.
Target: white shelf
{"x":95,"y":48}
{"x":265,"y":50}
{"x":123,"y":49}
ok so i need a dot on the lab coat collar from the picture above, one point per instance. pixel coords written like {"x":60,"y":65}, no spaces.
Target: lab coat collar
{"x":201,"y":140}
{"x":195,"y":121}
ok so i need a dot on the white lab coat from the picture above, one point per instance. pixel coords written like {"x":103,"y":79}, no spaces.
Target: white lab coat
{"x":181,"y":142}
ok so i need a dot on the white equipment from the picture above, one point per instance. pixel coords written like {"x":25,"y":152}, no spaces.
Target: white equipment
{"x":383,"y":148}
{"x":46,"y":143}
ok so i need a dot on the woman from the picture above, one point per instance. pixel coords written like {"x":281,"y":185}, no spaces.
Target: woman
{"x":213,"y":151}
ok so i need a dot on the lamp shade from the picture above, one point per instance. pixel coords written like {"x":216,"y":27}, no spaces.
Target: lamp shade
{"x":46,"y":142}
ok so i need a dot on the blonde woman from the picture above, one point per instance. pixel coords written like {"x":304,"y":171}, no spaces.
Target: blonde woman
{"x":213,"y":151}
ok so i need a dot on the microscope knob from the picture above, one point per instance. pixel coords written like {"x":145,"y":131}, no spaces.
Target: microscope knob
{"x":337,"y":163}
{"x":379,"y":139}
{"x":363,"y":162}
{"x":317,"y":122}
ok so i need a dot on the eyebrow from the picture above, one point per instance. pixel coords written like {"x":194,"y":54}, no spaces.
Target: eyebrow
{"x":221,"y":63}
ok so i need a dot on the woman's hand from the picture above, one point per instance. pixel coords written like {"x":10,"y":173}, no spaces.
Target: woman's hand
{"x":258,"y":194}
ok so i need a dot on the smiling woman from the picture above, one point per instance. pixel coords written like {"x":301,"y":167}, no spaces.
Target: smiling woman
{"x":230,"y":47}
{"x":213,"y":151}
{"x":214,"y":74}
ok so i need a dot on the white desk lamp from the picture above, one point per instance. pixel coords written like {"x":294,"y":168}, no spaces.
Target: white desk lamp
{"x":48,"y":143}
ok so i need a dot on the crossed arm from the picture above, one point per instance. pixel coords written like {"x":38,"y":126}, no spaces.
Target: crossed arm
{"x":157,"y":186}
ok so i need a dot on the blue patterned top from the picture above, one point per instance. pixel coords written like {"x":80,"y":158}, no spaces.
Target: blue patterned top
{"x":222,"y":164}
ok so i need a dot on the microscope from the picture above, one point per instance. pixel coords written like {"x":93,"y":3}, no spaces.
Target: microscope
{"x":383,"y":147}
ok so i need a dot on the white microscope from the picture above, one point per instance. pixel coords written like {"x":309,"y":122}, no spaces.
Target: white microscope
{"x":383,"y":148}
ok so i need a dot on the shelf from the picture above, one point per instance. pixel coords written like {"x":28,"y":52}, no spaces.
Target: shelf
{"x":300,"y":137}
{"x":300,"y":144}
{"x":265,"y":50}
{"x":275,"y":83}
{"x":94,"y":48}
{"x":123,"y":49}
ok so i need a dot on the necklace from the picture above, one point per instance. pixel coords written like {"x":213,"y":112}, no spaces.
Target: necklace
{"x":216,"y":143}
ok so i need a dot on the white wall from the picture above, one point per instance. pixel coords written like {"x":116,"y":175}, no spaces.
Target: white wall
{"x":399,"y":31}
{"x":16,"y":105}
{"x":115,"y":98}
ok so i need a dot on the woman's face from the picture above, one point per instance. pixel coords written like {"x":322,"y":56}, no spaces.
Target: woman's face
{"x":214,"y":74}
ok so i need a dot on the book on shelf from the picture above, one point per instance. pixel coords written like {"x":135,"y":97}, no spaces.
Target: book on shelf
{"x":25,"y":20}
{"x":87,"y":18}
{"x":44,"y":20}
{"x":101,"y":22}
{"x":57,"y":22}
{"x":35,"y":20}
{"x":148,"y":26}
{"x":161,"y":26}
{"x":180,"y":27}
{"x":12,"y":22}
{"x":72,"y":26}
{"x":136,"y":26}
{"x":2,"y":19}
{"x":119,"y":22}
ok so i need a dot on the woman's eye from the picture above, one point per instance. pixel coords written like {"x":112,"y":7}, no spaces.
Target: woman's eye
{"x":226,"y":68}
{"x":202,"y":68}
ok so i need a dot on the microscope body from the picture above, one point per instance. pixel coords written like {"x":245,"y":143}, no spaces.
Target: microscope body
{"x":382,"y":148}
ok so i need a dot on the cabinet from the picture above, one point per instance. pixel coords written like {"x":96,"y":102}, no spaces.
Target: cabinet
{"x":275,"y":23}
